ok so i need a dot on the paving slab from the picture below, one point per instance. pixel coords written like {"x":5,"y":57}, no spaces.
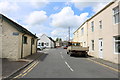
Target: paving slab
{"x":108,"y":63}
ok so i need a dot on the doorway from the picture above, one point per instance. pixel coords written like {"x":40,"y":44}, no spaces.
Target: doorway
{"x":100,"y":48}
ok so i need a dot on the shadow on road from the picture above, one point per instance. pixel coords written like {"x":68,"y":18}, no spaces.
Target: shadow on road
{"x":77,"y":56}
{"x":42,"y":58}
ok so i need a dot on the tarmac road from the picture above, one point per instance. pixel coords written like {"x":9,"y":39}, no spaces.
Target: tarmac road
{"x":55,"y":63}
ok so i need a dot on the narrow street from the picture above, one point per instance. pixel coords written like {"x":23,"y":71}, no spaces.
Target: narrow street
{"x":55,"y":63}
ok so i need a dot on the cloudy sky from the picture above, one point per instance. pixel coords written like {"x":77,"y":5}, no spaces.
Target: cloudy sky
{"x":51,"y":17}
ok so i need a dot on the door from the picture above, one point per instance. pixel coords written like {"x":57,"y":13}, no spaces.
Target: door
{"x":100,"y":48}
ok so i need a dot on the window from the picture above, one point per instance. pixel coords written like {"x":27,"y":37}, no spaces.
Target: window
{"x":92,"y":26}
{"x":47,"y":44}
{"x":92,"y":44}
{"x":117,"y":44}
{"x":100,"y":24}
{"x":82,"y":31}
{"x":33,"y":41}
{"x":116,"y":14}
{"x":25,"y":40}
{"x":39,"y":44}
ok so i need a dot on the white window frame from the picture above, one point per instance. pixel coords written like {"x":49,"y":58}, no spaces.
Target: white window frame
{"x":114,"y":44}
{"x":92,"y":45}
{"x":116,"y":14}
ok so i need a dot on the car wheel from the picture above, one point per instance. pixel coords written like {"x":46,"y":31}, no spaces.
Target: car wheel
{"x":70,"y":53}
{"x":67,"y":52}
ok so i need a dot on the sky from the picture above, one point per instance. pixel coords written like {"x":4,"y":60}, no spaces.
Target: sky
{"x":51,"y":17}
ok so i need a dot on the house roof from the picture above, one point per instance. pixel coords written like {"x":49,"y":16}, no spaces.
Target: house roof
{"x":48,"y":37}
{"x":97,"y":13}
{"x":51,"y":39}
{"x":17,"y":26}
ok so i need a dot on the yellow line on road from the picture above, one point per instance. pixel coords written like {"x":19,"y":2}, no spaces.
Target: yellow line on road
{"x":105,"y":65}
{"x":17,"y":76}
{"x":30,"y":69}
{"x":26,"y":70}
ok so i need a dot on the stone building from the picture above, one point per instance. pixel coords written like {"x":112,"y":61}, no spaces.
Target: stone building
{"x":15,"y":41}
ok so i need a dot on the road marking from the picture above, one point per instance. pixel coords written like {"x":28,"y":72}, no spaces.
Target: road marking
{"x":17,"y":76}
{"x":66,"y":62}
{"x":105,"y":65}
{"x":27,"y":70}
{"x":30,"y":70}
{"x":69,"y":66}
{"x":62,"y":56}
{"x":30,"y":67}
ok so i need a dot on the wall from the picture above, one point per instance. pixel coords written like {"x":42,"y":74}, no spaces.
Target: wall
{"x":45,"y":39}
{"x":27,"y":47}
{"x":52,"y":44}
{"x":108,"y":31}
{"x":83,"y":36}
{"x":75,"y":39}
{"x":0,"y":38}
{"x":10,"y":42}
{"x":34,"y":47}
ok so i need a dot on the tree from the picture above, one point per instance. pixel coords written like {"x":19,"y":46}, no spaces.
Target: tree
{"x":60,"y":39}
{"x":57,"y":39}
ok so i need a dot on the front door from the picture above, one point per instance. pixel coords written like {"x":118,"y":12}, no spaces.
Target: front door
{"x":100,"y":48}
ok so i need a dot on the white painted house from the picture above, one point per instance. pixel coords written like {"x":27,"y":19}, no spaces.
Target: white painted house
{"x":46,"y":41}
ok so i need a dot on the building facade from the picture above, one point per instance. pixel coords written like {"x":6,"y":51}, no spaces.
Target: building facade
{"x":15,"y":41}
{"x":46,"y":42}
{"x":58,"y":44}
{"x":101,"y":33}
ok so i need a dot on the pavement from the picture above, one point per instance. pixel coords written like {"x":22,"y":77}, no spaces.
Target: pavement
{"x":11,"y":67}
{"x":55,"y":63}
{"x":105,"y":62}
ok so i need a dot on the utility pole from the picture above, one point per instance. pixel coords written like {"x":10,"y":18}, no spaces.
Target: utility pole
{"x":69,"y":34}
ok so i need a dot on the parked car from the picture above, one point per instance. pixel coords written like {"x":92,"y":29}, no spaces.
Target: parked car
{"x":65,"y":47}
{"x":40,"y":47}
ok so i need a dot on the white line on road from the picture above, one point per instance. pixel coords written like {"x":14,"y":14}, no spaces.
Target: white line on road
{"x":66,"y":62}
{"x":62,"y":56}
{"x":69,"y":66}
